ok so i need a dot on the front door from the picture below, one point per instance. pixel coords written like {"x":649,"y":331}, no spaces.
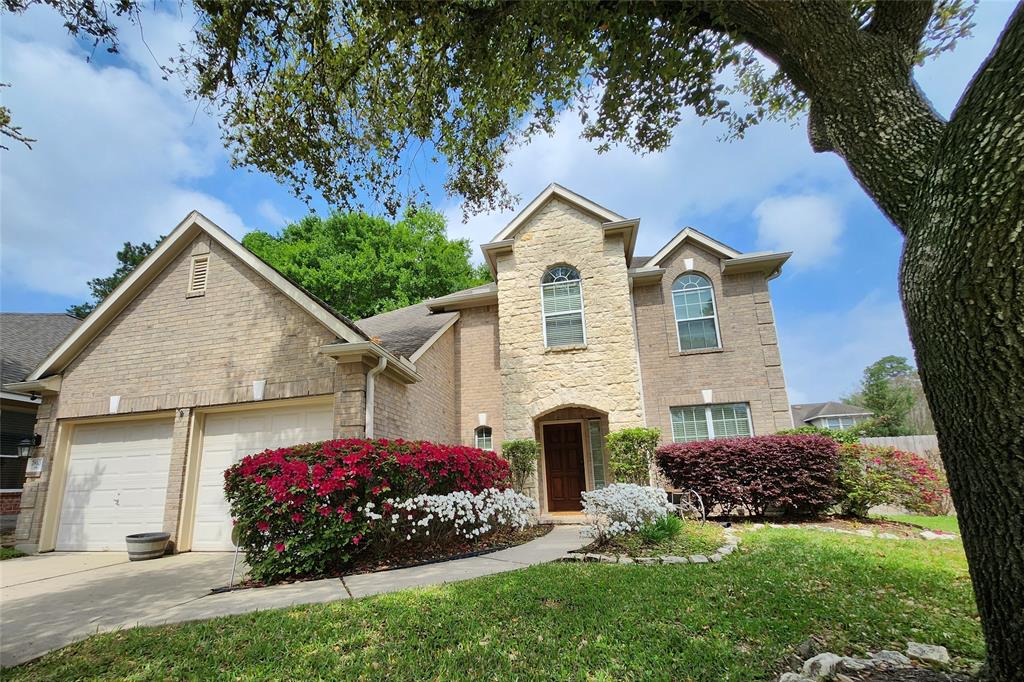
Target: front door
{"x":563,"y":458}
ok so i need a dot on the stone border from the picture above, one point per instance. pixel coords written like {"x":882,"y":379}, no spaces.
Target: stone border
{"x":863,"y":532}
{"x":732,"y":539}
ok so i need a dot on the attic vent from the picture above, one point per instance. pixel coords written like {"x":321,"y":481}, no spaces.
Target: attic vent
{"x":197,"y":278}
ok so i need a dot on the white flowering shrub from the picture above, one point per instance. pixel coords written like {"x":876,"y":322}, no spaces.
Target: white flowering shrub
{"x":624,"y":508}
{"x":436,"y":518}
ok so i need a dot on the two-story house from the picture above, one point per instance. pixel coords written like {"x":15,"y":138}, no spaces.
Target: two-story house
{"x":205,"y":354}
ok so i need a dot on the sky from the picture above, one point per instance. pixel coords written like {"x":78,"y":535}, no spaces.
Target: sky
{"x":121,"y":155}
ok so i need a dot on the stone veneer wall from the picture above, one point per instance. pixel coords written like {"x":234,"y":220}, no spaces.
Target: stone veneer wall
{"x":478,"y":374}
{"x":748,"y":367}
{"x":424,"y":410}
{"x":603,"y":375}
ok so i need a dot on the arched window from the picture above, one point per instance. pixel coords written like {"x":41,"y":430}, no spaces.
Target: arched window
{"x":562,"y":307}
{"x":696,"y":318}
{"x":483,"y":438}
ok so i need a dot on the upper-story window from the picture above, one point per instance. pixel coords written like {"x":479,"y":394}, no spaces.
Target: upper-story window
{"x":696,"y":318}
{"x":562,"y":307}
{"x":483,"y":438}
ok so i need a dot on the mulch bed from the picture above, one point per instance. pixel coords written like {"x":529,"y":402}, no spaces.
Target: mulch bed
{"x":854,"y":524}
{"x":410,"y":555}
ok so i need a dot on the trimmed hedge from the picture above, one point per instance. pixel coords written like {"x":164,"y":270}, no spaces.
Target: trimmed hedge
{"x":794,"y":474}
{"x":307,"y":510}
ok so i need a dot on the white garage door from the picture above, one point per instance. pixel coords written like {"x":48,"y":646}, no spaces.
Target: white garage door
{"x":228,"y":437}
{"x":117,"y":482}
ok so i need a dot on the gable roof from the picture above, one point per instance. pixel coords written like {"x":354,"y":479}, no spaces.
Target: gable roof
{"x":692,"y":234}
{"x":803,"y":414}
{"x":408,"y":331}
{"x":193,"y":225}
{"x":554,"y":190}
{"x":27,"y":338}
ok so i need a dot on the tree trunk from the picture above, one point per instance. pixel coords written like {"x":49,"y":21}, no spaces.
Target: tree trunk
{"x":962,"y":279}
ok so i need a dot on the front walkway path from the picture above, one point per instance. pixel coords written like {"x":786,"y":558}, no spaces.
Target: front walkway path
{"x":73,"y":596}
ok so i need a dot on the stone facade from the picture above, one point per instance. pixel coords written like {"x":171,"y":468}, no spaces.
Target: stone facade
{"x":603,"y":374}
{"x":746,"y":369}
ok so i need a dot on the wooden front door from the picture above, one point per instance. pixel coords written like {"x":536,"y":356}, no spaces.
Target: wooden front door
{"x":563,"y":465}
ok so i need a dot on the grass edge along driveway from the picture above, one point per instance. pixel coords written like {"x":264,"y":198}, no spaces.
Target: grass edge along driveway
{"x":735,"y":620}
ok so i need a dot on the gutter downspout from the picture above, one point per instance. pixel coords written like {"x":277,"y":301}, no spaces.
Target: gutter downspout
{"x":370,"y":376}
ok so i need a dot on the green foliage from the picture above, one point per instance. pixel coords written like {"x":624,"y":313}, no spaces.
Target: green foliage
{"x":631,"y":454}
{"x":886,"y":390}
{"x":521,"y":455}
{"x":128,"y":258}
{"x":363,"y":265}
{"x":665,"y":528}
{"x":10,"y":553}
{"x":871,"y":476}
{"x":344,"y":97}
{"x":844,"y":436}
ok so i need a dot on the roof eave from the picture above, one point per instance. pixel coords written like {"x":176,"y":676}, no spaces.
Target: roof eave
{"x":48,"y":386}
{"x":770,"y":264}
{"x":398,"y":367}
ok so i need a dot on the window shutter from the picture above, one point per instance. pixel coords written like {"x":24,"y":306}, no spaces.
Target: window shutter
{"x":198,"y":276}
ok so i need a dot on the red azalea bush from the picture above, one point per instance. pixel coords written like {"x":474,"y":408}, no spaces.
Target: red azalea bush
{"x":306,"y":510}
{"x":795,"y":474}
{"x":872,"y":475}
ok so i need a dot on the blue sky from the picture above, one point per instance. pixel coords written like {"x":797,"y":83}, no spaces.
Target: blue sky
{"x":122,"y":155}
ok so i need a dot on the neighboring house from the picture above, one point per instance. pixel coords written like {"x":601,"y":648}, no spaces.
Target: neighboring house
{"x":205,"y":354}
{"x":830,"y":415}
{"x":25,"y":340}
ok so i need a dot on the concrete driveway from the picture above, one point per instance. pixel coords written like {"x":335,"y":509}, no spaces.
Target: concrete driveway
{"x":50,"y":600}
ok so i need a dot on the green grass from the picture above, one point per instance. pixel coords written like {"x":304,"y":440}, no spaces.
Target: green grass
{"x":729,"y":621}
{"x":695,"y":538}
{"x":945,"y":523}
{"x":10,"y":553}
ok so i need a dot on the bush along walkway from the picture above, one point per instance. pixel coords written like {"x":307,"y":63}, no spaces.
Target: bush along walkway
{"x":732,"y":539}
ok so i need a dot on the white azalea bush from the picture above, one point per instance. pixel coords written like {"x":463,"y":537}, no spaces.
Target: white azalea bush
{"x":624,"y":508}
{"x":461,"y":515}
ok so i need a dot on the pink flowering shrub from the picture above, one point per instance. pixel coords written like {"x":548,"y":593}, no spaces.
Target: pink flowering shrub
{"x":871,"y":476}
{"x":308,"y":509}
{"x":795,"y":474}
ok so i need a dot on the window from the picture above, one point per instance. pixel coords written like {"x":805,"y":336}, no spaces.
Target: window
{"x":696,"y":321}
{"x":838,"y":423}
{"x":483,"y":438}
{"x":197,"y":275}
{"x":596,"y":451}
{"x":710,"y":421}
{"x":12,"y":472}
{"x":562,"y":307}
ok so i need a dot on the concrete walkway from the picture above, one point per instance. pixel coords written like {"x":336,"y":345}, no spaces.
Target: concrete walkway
{"x":52,"y":600}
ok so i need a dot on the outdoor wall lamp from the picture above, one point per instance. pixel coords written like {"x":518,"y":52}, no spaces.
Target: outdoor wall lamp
{"x":25,"y":445}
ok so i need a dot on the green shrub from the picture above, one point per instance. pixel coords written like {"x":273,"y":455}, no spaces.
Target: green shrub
{"x":871,"y":476}
{"x":521,"y":456}
{"x":631,"y":454}
{"x":843,"y":437}
{"x":664,"y":529}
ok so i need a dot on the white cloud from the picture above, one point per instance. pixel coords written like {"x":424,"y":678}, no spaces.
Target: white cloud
{"x":269,"y":211}
{"x":118,"y":154}
{"x":808,"y":225}
{"x":825,"y":354}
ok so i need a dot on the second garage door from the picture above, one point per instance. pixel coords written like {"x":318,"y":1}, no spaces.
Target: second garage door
{"x":229,"y":436}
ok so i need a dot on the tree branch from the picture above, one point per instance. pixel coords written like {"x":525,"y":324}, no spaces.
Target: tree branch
{"x":903,"y":20}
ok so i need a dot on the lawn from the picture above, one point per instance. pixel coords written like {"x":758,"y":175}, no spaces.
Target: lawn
{"x":729,"y":621}
{"x":695,"y":538}
{"x":9,"y":553}
{"x":945,"y":523}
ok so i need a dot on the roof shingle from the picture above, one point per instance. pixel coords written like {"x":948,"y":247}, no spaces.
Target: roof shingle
{"x":27,"y":338}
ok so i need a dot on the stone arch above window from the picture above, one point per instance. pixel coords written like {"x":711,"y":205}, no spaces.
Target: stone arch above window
{"x":696,"y":315}
{"x":562,"y":307}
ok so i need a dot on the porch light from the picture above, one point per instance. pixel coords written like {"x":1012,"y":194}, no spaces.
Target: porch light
{"x":26,"y":445}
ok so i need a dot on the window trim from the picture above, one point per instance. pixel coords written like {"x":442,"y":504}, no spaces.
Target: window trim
{"x":490,"y":437}
{"x":714,"y":314}
{"x":545,"y":315}
{"x":709,"y":422}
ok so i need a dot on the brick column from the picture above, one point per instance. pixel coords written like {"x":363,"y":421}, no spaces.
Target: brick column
{"x":33,"y":494}
{"x":350,"y":400}
{"x":180,"y":438}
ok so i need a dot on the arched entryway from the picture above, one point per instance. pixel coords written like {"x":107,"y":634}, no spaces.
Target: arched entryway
{"x":572,"y":456}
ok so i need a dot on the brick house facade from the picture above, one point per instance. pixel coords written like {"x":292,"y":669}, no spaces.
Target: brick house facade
{"x":205,"y":352}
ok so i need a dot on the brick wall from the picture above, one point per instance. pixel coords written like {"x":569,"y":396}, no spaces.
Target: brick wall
{"x":424,"y":410}
{"x":747,"y":368}
{"x":478,"y":374}
{"x":10,"y":503}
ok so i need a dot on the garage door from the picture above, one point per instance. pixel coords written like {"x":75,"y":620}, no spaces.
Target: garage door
{"x":116,"y":485}
{"x":228,"y":437}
